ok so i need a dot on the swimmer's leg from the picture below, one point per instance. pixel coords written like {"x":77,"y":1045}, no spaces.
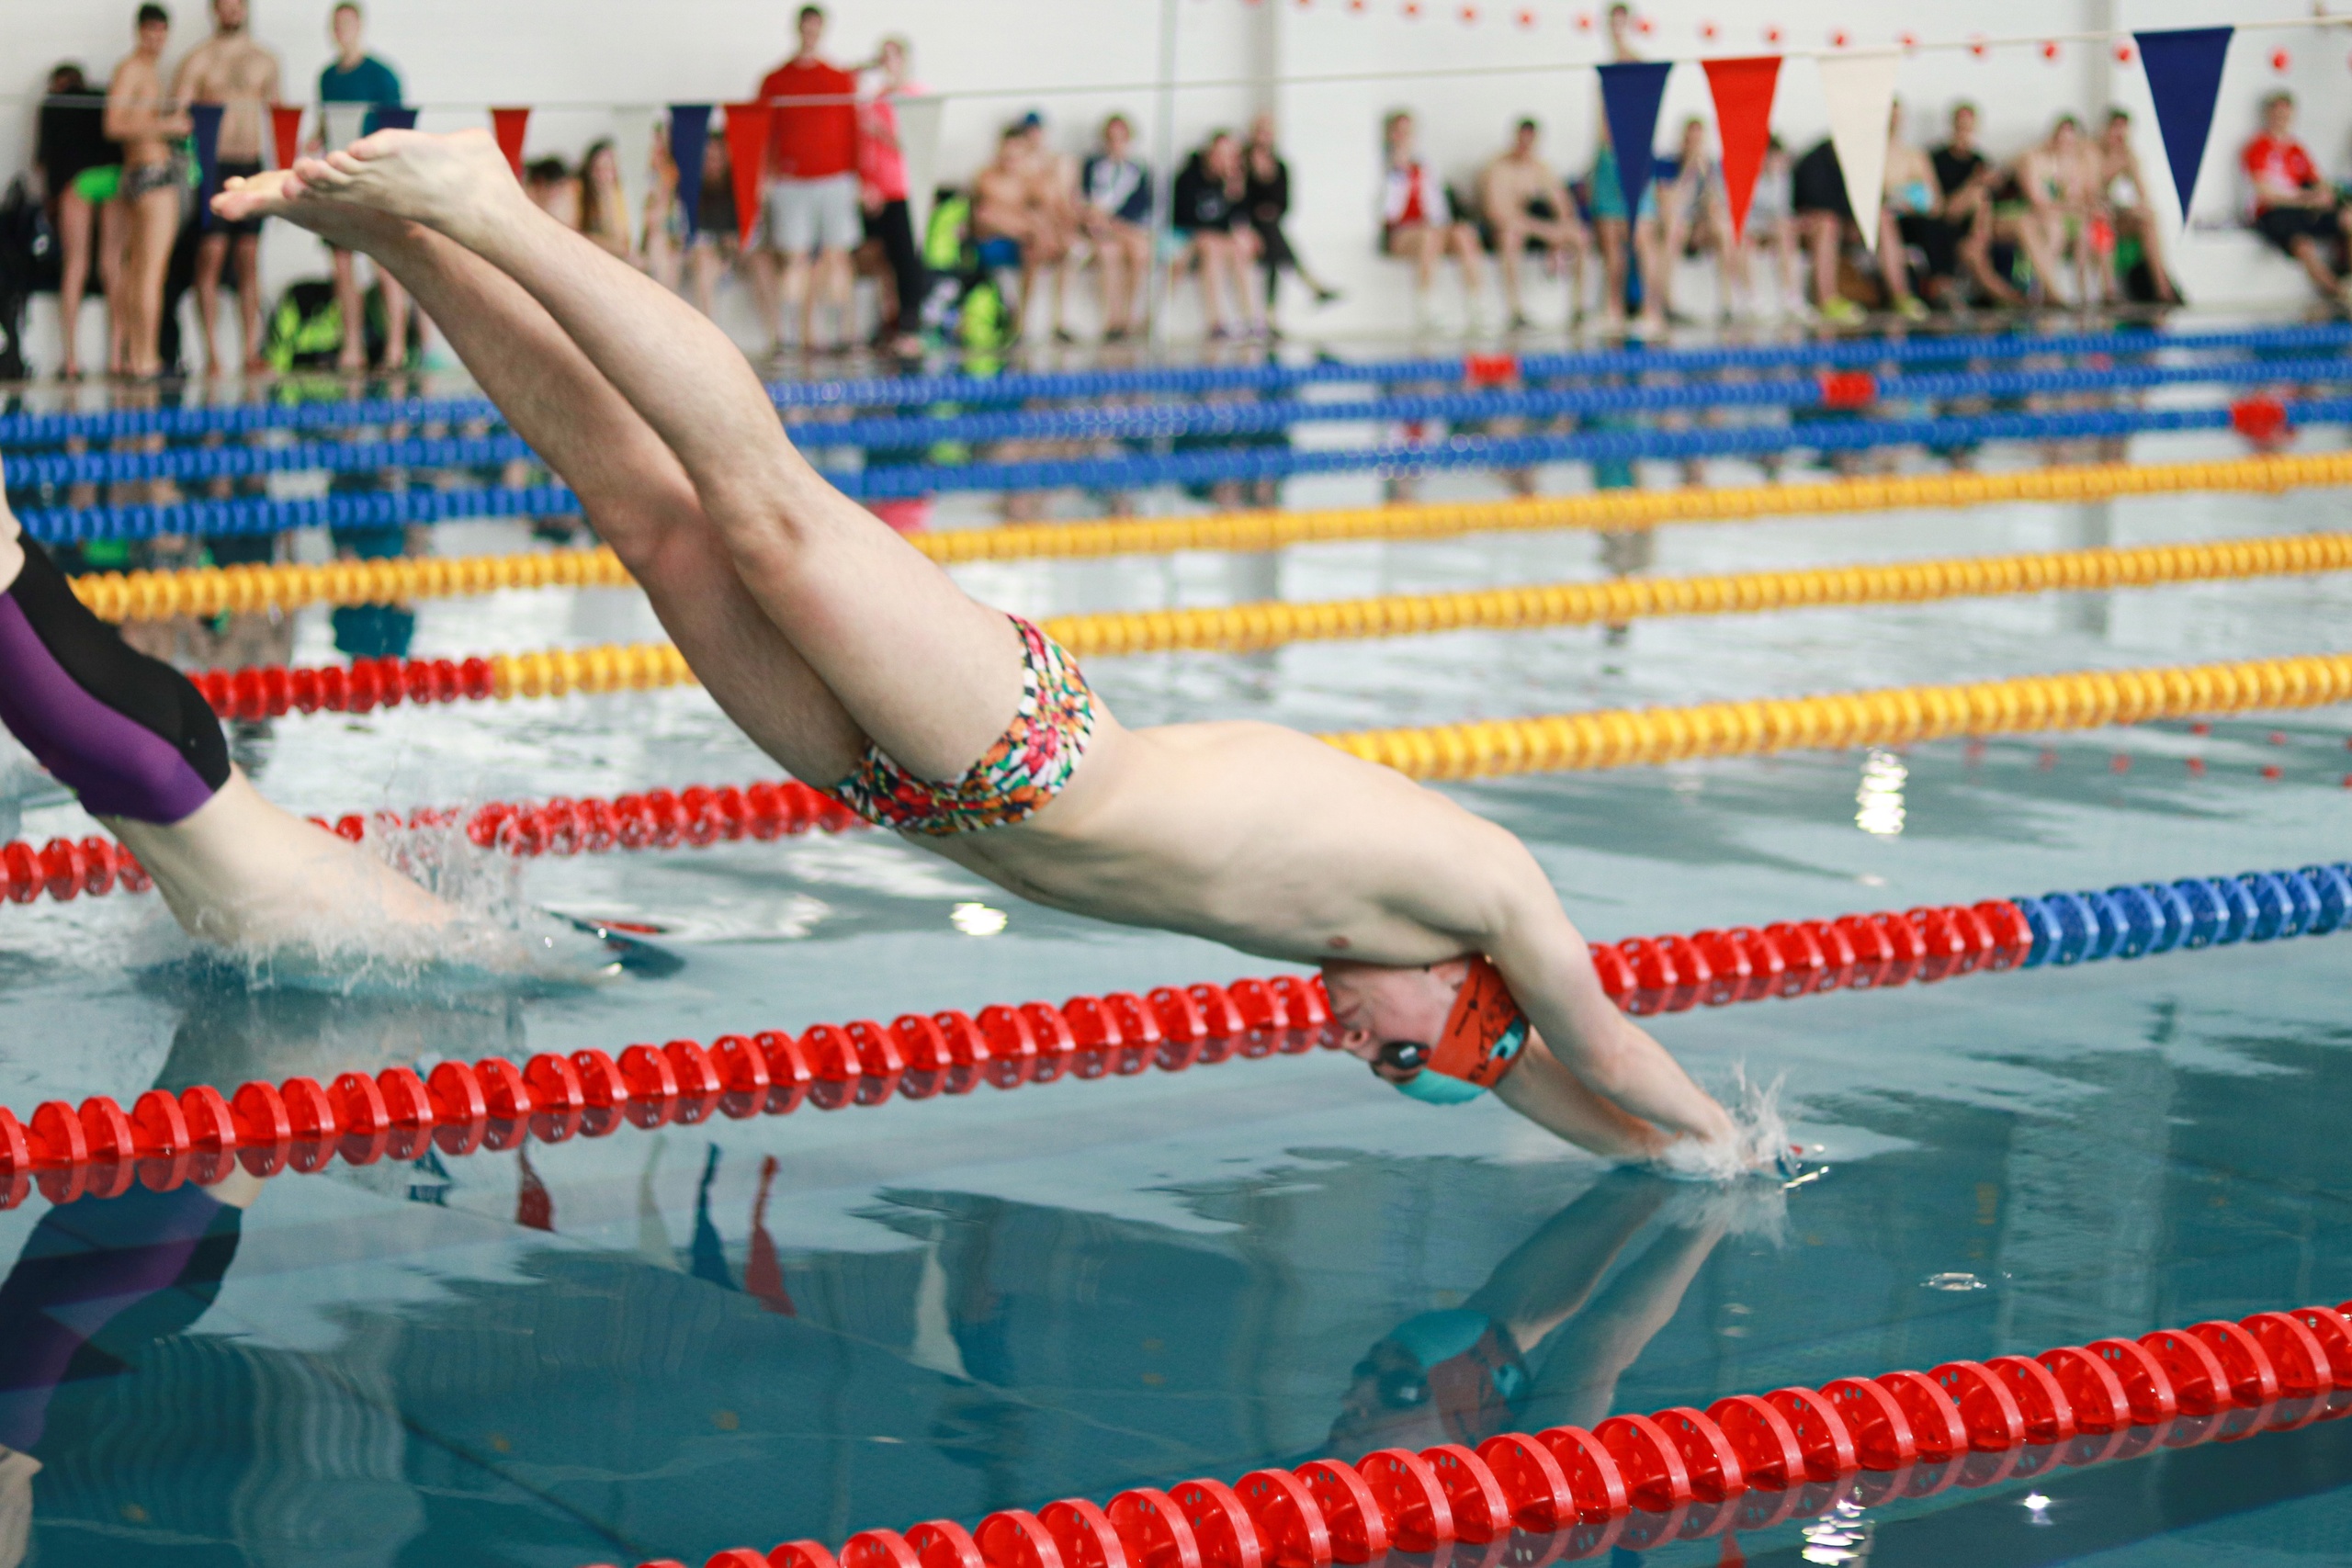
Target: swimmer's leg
{"x":634,"y":492}
{"x":930,"y":675}
{"x":137,"y":742}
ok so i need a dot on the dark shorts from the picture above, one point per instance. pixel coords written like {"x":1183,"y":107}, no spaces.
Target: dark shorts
{"x":245,"y":226}
{"x":1937,"y":239}
{"x":1817,"y":185}
{"x":2282,"y":226}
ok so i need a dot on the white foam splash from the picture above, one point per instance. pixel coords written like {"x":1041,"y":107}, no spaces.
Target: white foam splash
{"x":1758,"y":1144}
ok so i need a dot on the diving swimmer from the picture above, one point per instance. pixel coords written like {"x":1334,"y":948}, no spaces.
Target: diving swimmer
{"x":857,"y":663}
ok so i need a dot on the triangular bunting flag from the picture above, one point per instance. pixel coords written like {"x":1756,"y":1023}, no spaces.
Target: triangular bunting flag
{"x":2184,"y":69}
{"x":285,"y":132}
{"x":747,"y":151}
{"x":1860,"y":90}
{"x":343,"y":124}
{"x":689,"y":136}
{"x":510,"y":125}
{"x":633,"y":149}
{"x":1630,"y":93}
{"x":919,"y":120}
{"x":1743,"y":94}
{"x":392,"y":117}
{"x":204,"y":121}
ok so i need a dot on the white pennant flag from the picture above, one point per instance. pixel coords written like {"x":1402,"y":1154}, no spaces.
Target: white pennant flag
{"x":340,"y":124}
{"x":919,"y":121}
{"x":633,"y":149}
{"x":1860,"y":90}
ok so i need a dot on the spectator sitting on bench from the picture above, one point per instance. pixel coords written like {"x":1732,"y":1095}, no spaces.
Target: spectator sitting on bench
{"x":2293,"y":207}
{"x":1693,"y":218}
{"x":1522,"y":207}
{"x":1018,"y":216}
{"x":1209,"y":211}
{"x":1418,"y":223}
{"x":2124,"y":191}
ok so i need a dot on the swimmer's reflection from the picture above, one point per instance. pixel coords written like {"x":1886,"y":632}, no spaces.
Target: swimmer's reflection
{"x":1543,"y":1342}
{"x":97,"y":1286}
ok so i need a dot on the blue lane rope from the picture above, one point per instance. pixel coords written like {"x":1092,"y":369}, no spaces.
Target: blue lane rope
{"x":393,"y":509}
{"x":198,"y":464}
{"x":2213,"y":912}
{"x":31,"y":430}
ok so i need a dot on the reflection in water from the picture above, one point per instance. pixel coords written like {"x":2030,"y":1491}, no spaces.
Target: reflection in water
{"x":1878,"y":801}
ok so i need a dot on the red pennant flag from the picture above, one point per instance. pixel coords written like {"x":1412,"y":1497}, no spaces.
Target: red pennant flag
{"x":1742,"y":91}
{"x":285,"y":132}
{"x":508,"y":126}
{"x":747,"y":149}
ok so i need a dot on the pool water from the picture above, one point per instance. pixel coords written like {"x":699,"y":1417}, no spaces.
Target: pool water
{"x":661,"y":1343}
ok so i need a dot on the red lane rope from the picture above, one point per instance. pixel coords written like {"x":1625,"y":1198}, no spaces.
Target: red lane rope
{"x":1748,"y":1461}
{"x":98,"y":1147}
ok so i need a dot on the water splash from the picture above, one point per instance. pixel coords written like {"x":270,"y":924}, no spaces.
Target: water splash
{"x":1759,"y":1146}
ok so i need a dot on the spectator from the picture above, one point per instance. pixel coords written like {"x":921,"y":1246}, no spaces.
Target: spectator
{"x":1817,"y":196}
{"x":233,"y":70}
{"x":1207,"y":211}
{"x":1772,"y":226}
{"x":1911,"y":214}
{"x":153,"y":181}
{"x":1612,"y":223}
{"x":552,"y":189}
{"x":355,"y":76}
{"x":1418,"y":223}
{"x":2124,"y":191}
{"x":1522,"y":207}
{"x":882,"y":187}
{"x":812,"y":201}
{"x":1265,"y":191}
{"x":2046,"y":208}
{"x":1967,"y":179}
{"x":1019,"y":217}
{"x":713,"y":246}
{"x":604,"y":205}
{"x":1694,"y":217}
{"x":79,"y":171}
{"x":2293,"y":207}
{"x":1114,"y":197}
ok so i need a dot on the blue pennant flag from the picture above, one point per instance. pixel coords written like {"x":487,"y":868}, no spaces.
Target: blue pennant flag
{"x":689,"y":137}
{"x":2184,"y":68}
{"x":392,"y":117}
{"x":205,"y":121}
{"x":1630,"y":94}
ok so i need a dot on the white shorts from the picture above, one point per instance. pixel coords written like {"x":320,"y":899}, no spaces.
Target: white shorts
{"x":801,"y":216}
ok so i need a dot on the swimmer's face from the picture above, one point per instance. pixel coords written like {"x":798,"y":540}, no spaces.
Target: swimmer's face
{"x":1374,"y":1006}
{"x":1387,"y":1406}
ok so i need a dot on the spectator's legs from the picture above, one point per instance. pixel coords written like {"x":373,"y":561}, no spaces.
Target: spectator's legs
{"x":244,"y":254}
{"x":1657,"y":241}
{"x":2316,"y":266}
{"x":1612,"y":235}
{"x":154,"y":224}
{"x":1823,"y":232}
{"x":2141,"y":225}
{"x":906,"y":270}
{"x":352,"y":307}
{"x":840,"y":289}
{"x":211,"y":252}
{"x":1510,"y":251}
{"x":1216,"y":250}
{"x":114,"y":243}
{"x":1894,"y":261}
{"x":702,"y":271}
{"x":1976,"y":255}
{"x":1116,"y":255}
{"x":762,"y":267}
{"x":395,"y":322}
{"x":1246,"y":255}
{"x":1462,"y":240}
{"x":76,"y":229}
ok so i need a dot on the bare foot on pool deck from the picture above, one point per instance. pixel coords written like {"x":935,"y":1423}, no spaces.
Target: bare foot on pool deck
{"x":460,"y":184}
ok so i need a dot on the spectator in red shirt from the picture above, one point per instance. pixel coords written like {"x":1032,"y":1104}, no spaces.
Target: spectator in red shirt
{"x":2293,"y":207}
{"x":811,"y":209}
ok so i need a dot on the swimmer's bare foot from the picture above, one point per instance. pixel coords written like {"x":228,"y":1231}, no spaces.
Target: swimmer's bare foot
{"x":303,"y":197}
{"x":460,"y":184}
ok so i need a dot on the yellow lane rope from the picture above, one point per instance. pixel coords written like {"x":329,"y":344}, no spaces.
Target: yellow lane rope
{"x":159,"y":595}
{"x":640,"y":666}
{"x":1890,"y":715}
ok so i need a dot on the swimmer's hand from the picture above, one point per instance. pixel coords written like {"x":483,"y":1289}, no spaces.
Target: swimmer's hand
{"x":308,"y":203}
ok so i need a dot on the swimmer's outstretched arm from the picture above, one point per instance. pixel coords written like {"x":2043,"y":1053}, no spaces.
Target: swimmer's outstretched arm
{"x":138,"y":743}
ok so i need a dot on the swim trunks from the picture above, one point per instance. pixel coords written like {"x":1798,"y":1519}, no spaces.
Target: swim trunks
{"x":129,"y":734}
{"x":1483,"y":1034}
{"x":243,"y":227}
{"x":139,"y":179}
{"x":1028,"y":766}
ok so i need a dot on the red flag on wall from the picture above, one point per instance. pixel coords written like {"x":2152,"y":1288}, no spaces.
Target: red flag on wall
{"x":508,"y":126}
{"x":747,"y":149}
{"x":285,"y":132}
{"x":1742,"y":91}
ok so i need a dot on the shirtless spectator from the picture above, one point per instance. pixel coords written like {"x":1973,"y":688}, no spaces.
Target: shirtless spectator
{"x":2293,"y":207}
{"x":552,"y":189}
{"x":153,"y":178}
{"x":2045,"y":209}
{"x":1418,"y":223}
{"x":1694,"y":216}
{"x":1114,"y":194}
{"x":2124,"y":191}
{"x":810,"y":216}
{"x":1019,"y":217}
{"x":1968,"y":178}
{"x":1523,"y":205}
{"x":232,"y":70}
{"x":356,"y":76}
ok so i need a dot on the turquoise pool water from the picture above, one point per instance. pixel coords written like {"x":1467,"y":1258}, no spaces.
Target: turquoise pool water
{"x":662,"y":1343}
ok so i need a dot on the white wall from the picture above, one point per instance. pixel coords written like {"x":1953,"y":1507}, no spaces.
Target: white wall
{"x":578,"y":57}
